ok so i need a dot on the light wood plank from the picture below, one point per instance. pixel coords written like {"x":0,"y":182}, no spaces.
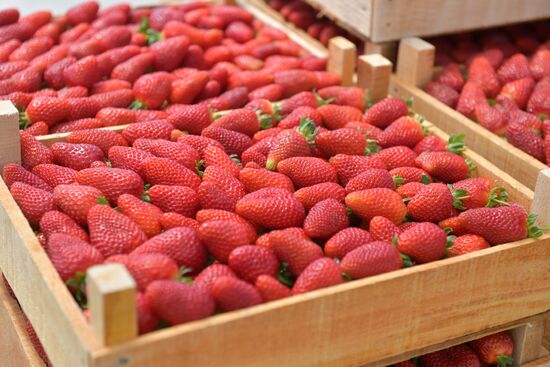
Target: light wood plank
{"x":415,"y":61}
{"x":528,"y":342}
{"x":541,"y":203}
{"x":342,"y":56}
{"x":9,"y":136}
{"x":374,"y":74}
{"x":386,"y":49}
{"x":543,"y":362}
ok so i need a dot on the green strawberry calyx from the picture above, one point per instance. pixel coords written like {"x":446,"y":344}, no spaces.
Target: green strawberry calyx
{"x":102,"y":200}
{"x":77,"y":285}
{"x":235,"y":159}
{"x":199,"y":167}
{"x":372,"y":147}
{"x":308,"y":129}
{"x":284,"y":276}
{"x":503,"y":361}
{"x":456,"y":143}
{"x":150,"y":34}
{"x":407,"y":261}
{"x":497,"y":196}
{"x":425,"y":179}
{"x":322,"y":101}
{"x":265,"y":119}
{"x":471,"y":165}
{"x":137,"y":105}
{"x":398,"y":180}
{"x":450,"y":241}
{"x":182,"y":275}
{"x":458,"y":196}
{"x":24,"y":122}
{"x":534,"y":231}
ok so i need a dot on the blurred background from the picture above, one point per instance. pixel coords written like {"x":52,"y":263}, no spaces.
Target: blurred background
{"x":59,"y":6}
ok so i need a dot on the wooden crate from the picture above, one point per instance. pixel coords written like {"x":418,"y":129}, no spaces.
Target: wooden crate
{"x":414,"y":70}
{"x":391,"y":20}
{"x":359,"y":322}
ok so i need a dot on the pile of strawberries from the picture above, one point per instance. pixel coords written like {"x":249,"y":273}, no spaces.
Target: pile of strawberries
{"x":504,"y":84}
{"x":92,"y":68}
{"x":491,"y":350}
{"x":303,"y":16}
{"x":218,"y":212}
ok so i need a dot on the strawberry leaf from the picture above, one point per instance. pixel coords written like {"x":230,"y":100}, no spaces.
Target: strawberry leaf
{"x":284,"y":276}
{"x":424,"y":179}
{"x":458,"y":196}
{"x":372,"y":147}
{"x":199,"y":167}
{"x":407,"y":261}
{"x":77,"y":285}
{"x":532,"y":230}
{"x":137,"y":105}
{"x":265,"y":119}
{"x":102,"y":200}
{"x":456,"y":143}
{"x":503,"y":361}
{"x":450,"y":241}
{"x":497,"y":196}
{"x":308,"y":129}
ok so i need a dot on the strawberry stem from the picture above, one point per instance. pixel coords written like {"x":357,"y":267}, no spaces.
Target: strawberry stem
{"x":398,"y":181}
{"x":503,"y":361}
{"x":151,"y":35}
{"x":407,"y":261}
{"x":346,"y":277}
{"x":456,"y":143}
{"x":181,"y":275}
{"x":199,"y":167}
{"x":532,"y":230}
{"x":458,"y":196}
{"x":77,"y":284}
{"x":235,"y":159}
{"x":425,"y":179}
{"x":371,"y":147}
{"x":102,"y":200}
{"x":471,"y":165}
{"x":497,"y":196}
{"x":266,"y":120}
{"x":308,"y":129}
{"x":284,"y":276}
{"x":137,"y":105}
{"x":450,"y":241}
{"x":24,"y":122}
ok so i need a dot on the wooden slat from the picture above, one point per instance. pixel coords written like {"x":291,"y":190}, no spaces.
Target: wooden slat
{"x":543,"y":362}
{"x":502,"y":154}
{"x":342,"y":56}
{"x":374,"y":74}
{"x":16,"y":347}
{"x":415,"y":61}
{"x":528,"y":342}
{"x":9,"y":134}
{"x":542,"y":198}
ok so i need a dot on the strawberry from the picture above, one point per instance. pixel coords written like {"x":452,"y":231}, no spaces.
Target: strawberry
{"x":73,"y":92}
{"x":371,"y":259}
{"x":295,"y":251}
{"x":325,"y":219}
{"x":320,"y":273}
{"x":211,"y":273}
{"x":53,"y":76}
{"x":191,"y":118}
{"x":335,"y":117}
{"x":248,"y":62}
{"x":181,"y":153}
{"x":219,"y":190}
{"x":21,"y":31}
{"x":459,"y":356}
{"x":540,"y":64}
{"x":290,"y":143}
{"x":176,"y":302}
{"x":445,"y":166}
{"x":349,"y":166}
{"x":425,"y":242}
{"x":76,"y":156}
{"x":251,"y":79}
{"x":8,"y":68}
{"x":345,"y":96}
{"x":216,"y":214}
{"x":340,"y":141}
{"x":33,"y":152}
{"x":256,"y":179}
{"x":434,"y":202}
{"x":380,"y":201}
{"x":295,"y":81}
{"x":83,"y":13}
{"x":222,"y":236}
{"x":538,"y":102}
{"x":32,"y":201}
{"x":169,"y":53}
{"x":128,"y":158}
{"x":173,"y":198}
{"x":480,"y":194}
{"x":370,"y":179}
{"x":73,"y":34}
{"x":151,"y":90}
{"x":405,"y":131}
{"x":249,"y":262}
{"x":451,"y":76}
{"x":525,"y":138}
{"x":131,"y":69}
{"x":443,"y":93}
{"x":76,"y":200}
{"x":104,"y":139}
{"x":173,"y":220}
{"x":311,"y":195}
{"x":47,"y":109}
{"x":216,"y":156}
{"x":295,"y":118}
{"x":181,"y":244}
{"x":7,"y":47}
{"x":232,"y":141}
{"x":494,"y":349}
{"x":271,"y":92}
{"x":411,"y":174}
{"x":470,"y":97}
{"x":216,"y":54}
{"x":467,"y":243}
{"x":498,"y":225}
{"x":186,"y":90}
{"x":110,"y":85}
{"x":307,"y":171}
{"x":384,"y":112}
{"x":271,"y":289}
{"x":146,"y":268}
{"x":241,"y":120}
{"x":383,"y":229}
{"x":81,"y":108}
{"x":518,"y":90}
{"x":265,"y":239}
{"x":84,"y":72}
{"x":302,"y":99}
{"x":70,"y":255}
{"x":57,"y":222}
{"x":490,"y":118}
{"x":232,"y":294}
{"x":481,"y":72}
{"x":345,"y":241}
{"x":154,"y":129}
{"x":516,"y":67}
{"x":8,"y":16}
{"x":146,"y":215}
{"x":147,"y":320}
{"x":12,"y":173}
{"x":456,"y":225}
{"x":113,"y":233}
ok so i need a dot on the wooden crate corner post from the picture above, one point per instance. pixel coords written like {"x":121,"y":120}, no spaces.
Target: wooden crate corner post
{"x":10,"y":150}
{"x":112,"y":303}
{"x":415,"y":61}
{"x":374,"y":74}
{"x":528,"y":342}
{"x":541,"y":201}
{"x":342,"y":55}
{"x":386,"y":49}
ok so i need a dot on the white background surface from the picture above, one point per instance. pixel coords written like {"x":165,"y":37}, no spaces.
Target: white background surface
{"x":59,"y":6}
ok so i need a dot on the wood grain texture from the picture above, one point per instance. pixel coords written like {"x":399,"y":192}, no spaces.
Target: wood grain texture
{"x":386,"y":49}
{"x":342,"y":56}
{"x":9,"y":136}
{"x":415,"y":61}
{"x":541,"y":203}
{"x":528,"y":342}
{"x":374,"y":74}
{"x":502,"y":154}
{"x":542,"y":362}
{"x":16,"y":349}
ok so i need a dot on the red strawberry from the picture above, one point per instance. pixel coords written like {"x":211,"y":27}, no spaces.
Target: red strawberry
{"x":459,"y":356}
{"x":216,"y":54}
{"x":404,"y":131}
{"x":15,"y":173}
{"x":70,"y":255}
{"x":211,"y":273}
{"x":325,"y":219}
{"x":433,"y":203}
{"x":335,"y":117}
{"x":76,"y":200}
{"x":7,"y":47}
{"x":216,"y":214}
{"x":131,"y":69}
{"x":295,"y":81}
{"x":297,"y":116}
{"x":20,"y":31}
{"x":383,"y":229}
{"x":33,"y":152}
{"x":307,"y":171}
{"x":494,"y":349}
{"x":128,"y":158}
{"x":455,"y":224}
{"x":516,"y":67}
{"x":480,"y":194}
{"x":146,"y":215}
{"x":187,"y":89}
{"x":538,"y":102}
{"x":481,"y":72}
{"x":176,"y":302}
{"x":112,"y":116}
{"x":371,"y":259}
{"x":156,"y":129}
{"x":297,"y":252}
{"x":467,"y":243}
{"x":233,"y":294}
{"x":384,"y":112}
{"x":290,"y":143}
{"x":83,"y":13}
{"x":411,"y":174}
{"x":320,"y":273}
{"x":76,"y":156}
{"x":232,"y":141}
{"x":345,"y":96}
{"x":73,"y":92}
{"x":151,"y":90}
{"x":451,"y":76}
{"x":84,"y":72}
{"x":173,"y":220}
{"x":410,"y":189}
{"x":345,"y":241}
{"x":490,"y":118}
{"x":311,"y":195}
{"x":525,"y":138}
{"x":47,"y":109}
{"x":271,"y":92}
{"x":271,"y":289}
{"x":220,"y":190}
{"x":470,"y":97}
{"x":349,"y":166}
{"x":216,"y":156}
{"x":222,"y":236}
{"x":169,"y":53}
{"x":424,"y":242}
{"x":32,"y":201}
{"x":518,"y":90}
{"x":445,"y":166}
{"x":110,"y":85}
{"x":340,"y":141}
{"x":178,"y":199}
{"x":249,"y":262}
{"x":443,"y":93}
{"x":8,"y":16}
{"x":181,"y":244}
{"x":53,"y":75}
{"x":113,"y":233}
{"x":241,"y":120}
{"x":104,"y":139}
{"x":370,"y":179}
{"x":189,"y":118}
{"x":380,"y":201}
{"x":8,"y":68}
{"x":147,"y":320}
{"x":302,"y":99}
{"x":540,"y":64}
{"x":73,"y":34}
{"x":146,"y":268}
{"x":57,"y":222}
{"x":256,"y":179}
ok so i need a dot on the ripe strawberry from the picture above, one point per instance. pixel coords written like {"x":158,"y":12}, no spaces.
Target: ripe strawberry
{"x":216,"y":214}
{"x":9,"y":16}
{"x":146,"y":268}
{"x":470,"y":97}
{"x":295,"y":251}
{"x":302,"y":99}
{"x":219,"y":189}
{"x":7,"y":47}
{"x":335,"y":117}
{"x":349,"y":166}
{"x":169,"y":53}
{"x":518,"y":90}
{"x":181,"y":153}
{"x":345,"y":96}
{"x":345,"y":241}
{"x":490,"y":118}
{"x":216,"y":54}
{"x":265,"y":239}
{"x":380,"y":201}
{"x":21,"y":31}
{"x":128,"y":158}
{"x":540,"y":64}
{"x":481,"y":72}
{"x":83,"y":13}
{"x":424,"y":242}
{"x":113,"y":233}
{"x":186,"y":90}
{"x":211,"y":273}
{"x":456,"y":225}
{"x":256,"y":179}
{"x":325,"y":219}
{"x":156,"y":129}
{"x":295,"y":81}
{"x":271,"y":92}
{"x":173,"y":220}
{"x":73,"y":92}
{"x":104,"y":139}
{"x":251,"y":79}
{"x":146,"y":215}
{"x":8,"y":68}
{"x":459,"y":356}
{"x":295,"y":118}
{"x":516,"y":67}
{"x":538,"y":102}
{"x":340,"y":141}
{"x":232,"y":141}
{"x":494,"y":349}
{"x":248,"y":62}
{"x":32,"y":201}
{"x":192,"y":118}
{"x":47,"y":109}
{"x":371,"y":259}
{"x":76,"y":156}
{"x":445,"y":166}
{"x":131,"y":69}
{"x":467,"y":243}
{"x":404,"y":131}
{"x":15,"y":173}
{"x":384,"y":112}
{"x":443,"y":93}
{"x":57,"y":222}
{"x":216,"y":156}
{"x":33,"y":152}
{"x":311,"y":195}
{"x":410,"y":189}
{"x":271,"y":289}
{"x":110,"y":85}
{"x":173,"y":198}
{"x":232,"y":294}
{"x":480,"y":193}
{"x":290,"y":143}
{"x":85,"y":72}
{"x":32,"y":48}
{"x":181,"y":244}
{"x":76,"y":200}
{"x":370,"y":179}
{"x":320,"y":273}
{"x":383,"y":229}
{"x":526,"y":139}
{"x":241,"y":120}
{"x":249,"y":262}
{"x":112,"y":116}
{"x":451,"y":76}
{"x":411,"y":174}
{"x":222,"y":236}
{"x":70,"y":255}
{"x":176,"y":302}
{"x":147,"y":320}
{"x":53,"y":76}
{"x":307,"y":171}
{"x":151,"y":90}
{"x":434,"y":202}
